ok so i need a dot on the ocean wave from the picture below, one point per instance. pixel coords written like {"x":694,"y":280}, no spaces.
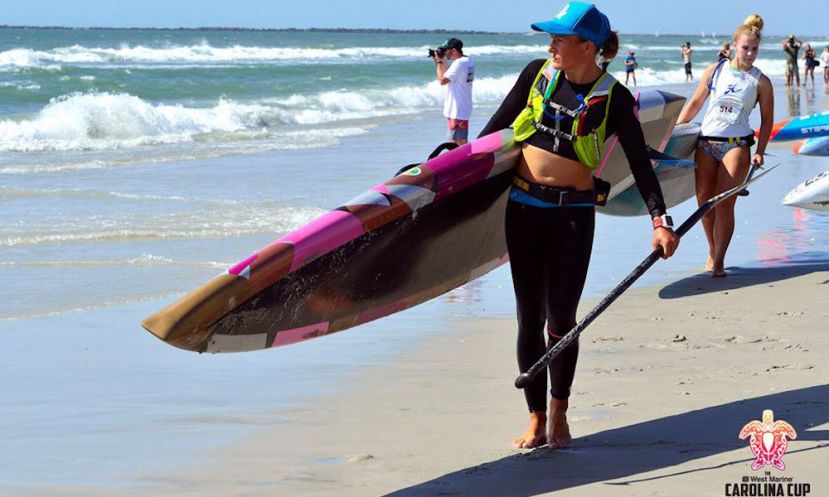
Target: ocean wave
{"x":648,"y":77}
{"x":196,"y":150}
{"x":206,"y":54}
{"x":250,"y":219}
{"x":98,"y":121}
{"x":10,"y":193}
{"x":142,"y":260}
{"x":27,"y":86}
{"x":108,"y":121}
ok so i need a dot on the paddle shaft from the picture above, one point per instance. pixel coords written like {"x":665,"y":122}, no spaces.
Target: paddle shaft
{"x":571,"y":336}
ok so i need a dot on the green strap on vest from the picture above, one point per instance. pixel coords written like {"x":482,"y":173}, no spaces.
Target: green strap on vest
{"x":588,"y":148}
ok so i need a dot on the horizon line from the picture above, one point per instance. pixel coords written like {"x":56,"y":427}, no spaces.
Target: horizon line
{"x":334,"y":30}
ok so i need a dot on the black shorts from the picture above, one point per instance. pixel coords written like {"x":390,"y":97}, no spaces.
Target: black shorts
{"x":687,"y":68}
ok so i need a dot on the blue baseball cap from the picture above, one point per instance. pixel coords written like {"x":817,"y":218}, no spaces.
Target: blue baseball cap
{"x":578,"y":18}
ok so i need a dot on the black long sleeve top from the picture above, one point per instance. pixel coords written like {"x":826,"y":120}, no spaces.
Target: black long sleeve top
{"x":622,"y":121}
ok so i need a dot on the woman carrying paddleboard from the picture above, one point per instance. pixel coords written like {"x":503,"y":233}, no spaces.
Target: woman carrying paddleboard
{"x":561,"y":110}
{"x":723,"y":153}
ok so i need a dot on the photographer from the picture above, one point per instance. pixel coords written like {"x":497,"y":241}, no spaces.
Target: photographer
{"x":791,"y":46}
{"x":457,"y":105}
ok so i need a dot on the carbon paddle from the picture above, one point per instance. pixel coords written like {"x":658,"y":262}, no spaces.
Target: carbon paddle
{"x":649,"y":261}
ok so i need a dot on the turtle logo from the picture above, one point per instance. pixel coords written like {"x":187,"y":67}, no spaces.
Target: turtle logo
{"x":767,"y":440}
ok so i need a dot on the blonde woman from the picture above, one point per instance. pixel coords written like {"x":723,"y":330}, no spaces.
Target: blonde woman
{"x":723,"y":155}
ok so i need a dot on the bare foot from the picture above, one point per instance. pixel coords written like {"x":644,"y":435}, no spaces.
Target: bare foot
{"x":558,"y":431}
{"x":535,"y":435}
{"x":709,"y":264}
{"x":718,"y":270}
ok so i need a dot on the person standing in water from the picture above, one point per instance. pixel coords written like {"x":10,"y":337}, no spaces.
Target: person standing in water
{"x":723,"y":154}
{"x":687,"y":51}
{"x":630,"y":67}
{"x":790,"y":47}
{"x":561,"y":110}
{"x":809,"y":64}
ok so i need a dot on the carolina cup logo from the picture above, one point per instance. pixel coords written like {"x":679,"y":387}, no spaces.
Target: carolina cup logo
{"x":767,"y":440}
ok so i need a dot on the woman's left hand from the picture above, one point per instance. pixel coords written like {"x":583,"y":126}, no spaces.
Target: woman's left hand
{"x":667,"y":239}
{"x":757,"y":160}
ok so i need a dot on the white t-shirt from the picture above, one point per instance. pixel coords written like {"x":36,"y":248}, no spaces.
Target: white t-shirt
{"x":824,"y":59}
{"x":458,"y":101}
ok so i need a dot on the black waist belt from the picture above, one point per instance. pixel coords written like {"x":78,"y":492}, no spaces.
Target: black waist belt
{"x":556,"y":194}
{"x":738,"y":140}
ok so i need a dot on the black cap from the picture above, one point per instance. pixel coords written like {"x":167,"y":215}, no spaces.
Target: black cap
{"x":453,"y":43}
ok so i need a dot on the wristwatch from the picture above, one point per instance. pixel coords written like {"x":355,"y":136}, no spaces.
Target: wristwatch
{"x":663,"y":221}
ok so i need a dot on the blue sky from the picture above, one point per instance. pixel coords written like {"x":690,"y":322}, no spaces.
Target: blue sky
{"x":803,"y":17}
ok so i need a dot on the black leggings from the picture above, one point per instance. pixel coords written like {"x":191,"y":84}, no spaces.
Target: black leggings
{"x":549,"y":251}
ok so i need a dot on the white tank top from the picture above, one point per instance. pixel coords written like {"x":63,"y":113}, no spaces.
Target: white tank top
{"x":732,"y":99}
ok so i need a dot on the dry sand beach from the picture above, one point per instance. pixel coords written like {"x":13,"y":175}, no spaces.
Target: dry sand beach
{"x":659,"y":400}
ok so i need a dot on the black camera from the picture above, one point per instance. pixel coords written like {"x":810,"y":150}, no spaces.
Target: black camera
{"x":439,"y":51}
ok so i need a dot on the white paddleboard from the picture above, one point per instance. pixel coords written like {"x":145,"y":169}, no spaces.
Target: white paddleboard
{"x":811,"y":194}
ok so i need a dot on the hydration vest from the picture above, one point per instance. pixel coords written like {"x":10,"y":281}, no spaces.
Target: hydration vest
{"x":587,"y":143}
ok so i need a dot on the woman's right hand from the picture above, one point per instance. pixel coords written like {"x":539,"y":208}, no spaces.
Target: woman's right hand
{"x":667,"y":239}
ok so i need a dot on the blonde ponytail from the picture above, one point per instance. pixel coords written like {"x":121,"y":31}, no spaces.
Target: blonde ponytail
{"x":752,"y":27}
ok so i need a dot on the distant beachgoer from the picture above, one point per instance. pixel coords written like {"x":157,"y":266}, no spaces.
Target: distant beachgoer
{"x":457,"y":105}
{"x":630,"y":67}
{"x":561,"y":110}
{"x":809,"y":64}
{"x":725,"y":52}
{"x":791,"y":46}
{"x":687,"y":51}
{"x":824,"y":59}
{"x":723,"y":154}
